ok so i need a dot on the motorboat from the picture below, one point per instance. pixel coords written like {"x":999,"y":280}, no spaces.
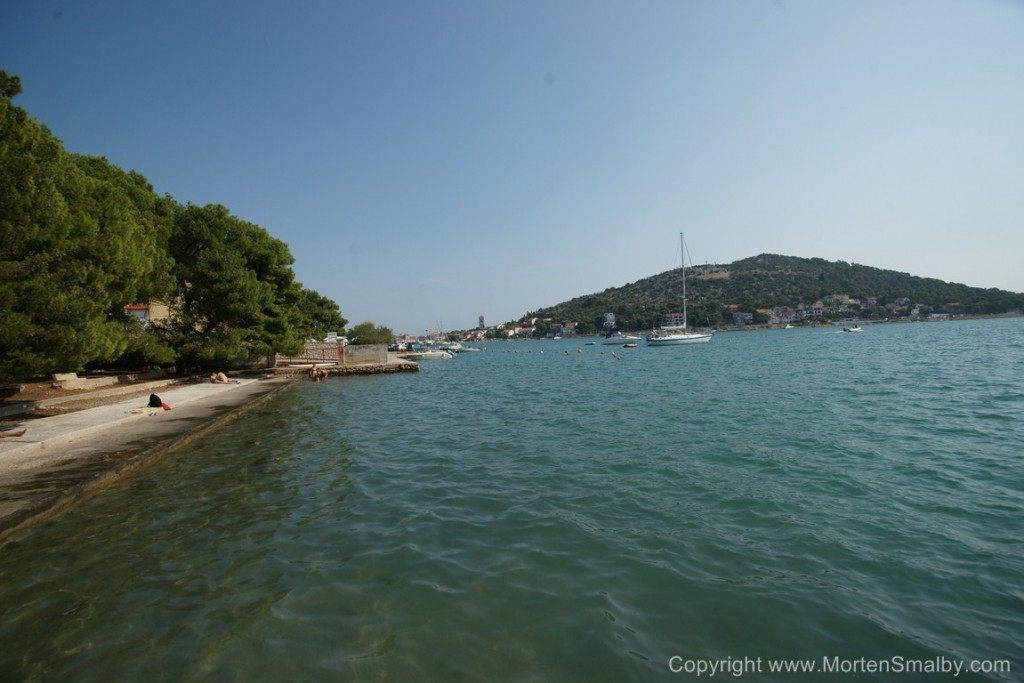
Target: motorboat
{"x":616,"y":338}
{"x":427,"y":355}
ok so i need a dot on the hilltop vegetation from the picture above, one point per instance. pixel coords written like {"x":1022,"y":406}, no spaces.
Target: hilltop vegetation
{"x":761,"y":283}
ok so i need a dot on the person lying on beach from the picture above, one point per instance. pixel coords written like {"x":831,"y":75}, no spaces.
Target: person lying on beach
{"x":220,"y":378}
{"x":4,"y":435}
{"x":156,"y":402}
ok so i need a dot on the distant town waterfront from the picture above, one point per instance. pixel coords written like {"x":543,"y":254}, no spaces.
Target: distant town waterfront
{"x":770,"y":319}
{"x":549,"y":511}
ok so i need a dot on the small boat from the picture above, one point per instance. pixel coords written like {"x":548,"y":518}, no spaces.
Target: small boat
{"x":615,"y":338}
{"x":855,"y":328}
{"x":612,"y":336}
{"x":426,"y":355}
{"x":630,"y":345}
{"x":675,"y":335}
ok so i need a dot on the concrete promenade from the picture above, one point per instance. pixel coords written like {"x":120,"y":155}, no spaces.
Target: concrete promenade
{"x":61,"y":459}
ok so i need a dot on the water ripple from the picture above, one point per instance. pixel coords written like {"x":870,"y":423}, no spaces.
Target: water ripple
{"x":518,"y":516}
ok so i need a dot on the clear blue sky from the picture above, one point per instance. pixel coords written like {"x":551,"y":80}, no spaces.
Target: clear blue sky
{"x":428,"y":162}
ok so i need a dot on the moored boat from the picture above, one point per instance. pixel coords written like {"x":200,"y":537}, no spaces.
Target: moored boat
{"x":612,"y":336}
{"x":617,"y":338}
{"x":675,"y":335}
{"x":669,"y":338}
{"x":426,"y":355}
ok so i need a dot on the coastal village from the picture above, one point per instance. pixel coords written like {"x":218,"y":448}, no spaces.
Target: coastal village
{"x":835,"y":308}
{"x":832,"y":309}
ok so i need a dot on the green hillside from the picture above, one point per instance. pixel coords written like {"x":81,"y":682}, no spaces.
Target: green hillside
{"x":769,"y":281}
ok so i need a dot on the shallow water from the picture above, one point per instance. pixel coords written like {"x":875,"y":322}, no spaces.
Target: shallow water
{"x":530,"y":513}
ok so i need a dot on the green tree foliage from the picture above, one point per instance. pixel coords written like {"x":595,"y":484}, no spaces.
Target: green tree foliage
{"x":129,"y":200}
{"x":234,"y":287}
{"x":542,"y":329}
{"x":318,"y":315}
{"x":80,"y":239}
{"x":74,"y":250}
{"x":145,"y":348}
{"x":368,"y":333}
{"x":10,"y":86}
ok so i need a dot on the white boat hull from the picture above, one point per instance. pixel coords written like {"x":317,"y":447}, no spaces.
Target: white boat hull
{"x":619,"y":339}
{"x":677,"y":339}
{"x":427,"y":355}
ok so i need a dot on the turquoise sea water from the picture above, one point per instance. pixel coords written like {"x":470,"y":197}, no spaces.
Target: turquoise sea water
{"x":530,"y":513}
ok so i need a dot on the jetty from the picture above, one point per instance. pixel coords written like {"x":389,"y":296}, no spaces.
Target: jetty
{"x":342,"y":360}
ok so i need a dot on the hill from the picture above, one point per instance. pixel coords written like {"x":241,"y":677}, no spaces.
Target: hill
{"x":773,"y":288}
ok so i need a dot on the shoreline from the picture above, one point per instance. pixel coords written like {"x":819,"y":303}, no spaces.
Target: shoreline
{"x":63,"y":459}
{"x":778,"y":326}
{"x":67,"y":458}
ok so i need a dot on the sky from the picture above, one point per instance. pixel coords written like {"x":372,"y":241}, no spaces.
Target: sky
{"x":429,"y":162}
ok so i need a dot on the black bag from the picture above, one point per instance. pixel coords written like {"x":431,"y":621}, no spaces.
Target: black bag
{"x":155,"y":402}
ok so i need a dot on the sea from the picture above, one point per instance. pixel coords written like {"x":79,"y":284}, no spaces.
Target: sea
{"x":774,"y":505}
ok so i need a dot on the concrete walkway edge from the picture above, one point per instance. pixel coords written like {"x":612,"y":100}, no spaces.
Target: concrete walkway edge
{"x":61,"y":459}
{"x":54,"y":431}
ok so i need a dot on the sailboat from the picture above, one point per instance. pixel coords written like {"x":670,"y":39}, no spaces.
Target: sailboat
{"x":674,"y":335}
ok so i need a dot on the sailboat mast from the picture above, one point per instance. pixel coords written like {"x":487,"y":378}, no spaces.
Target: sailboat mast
{"x":682,"y":253}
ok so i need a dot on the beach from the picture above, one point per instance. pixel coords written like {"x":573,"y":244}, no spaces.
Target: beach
{"x":63,"y":458}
